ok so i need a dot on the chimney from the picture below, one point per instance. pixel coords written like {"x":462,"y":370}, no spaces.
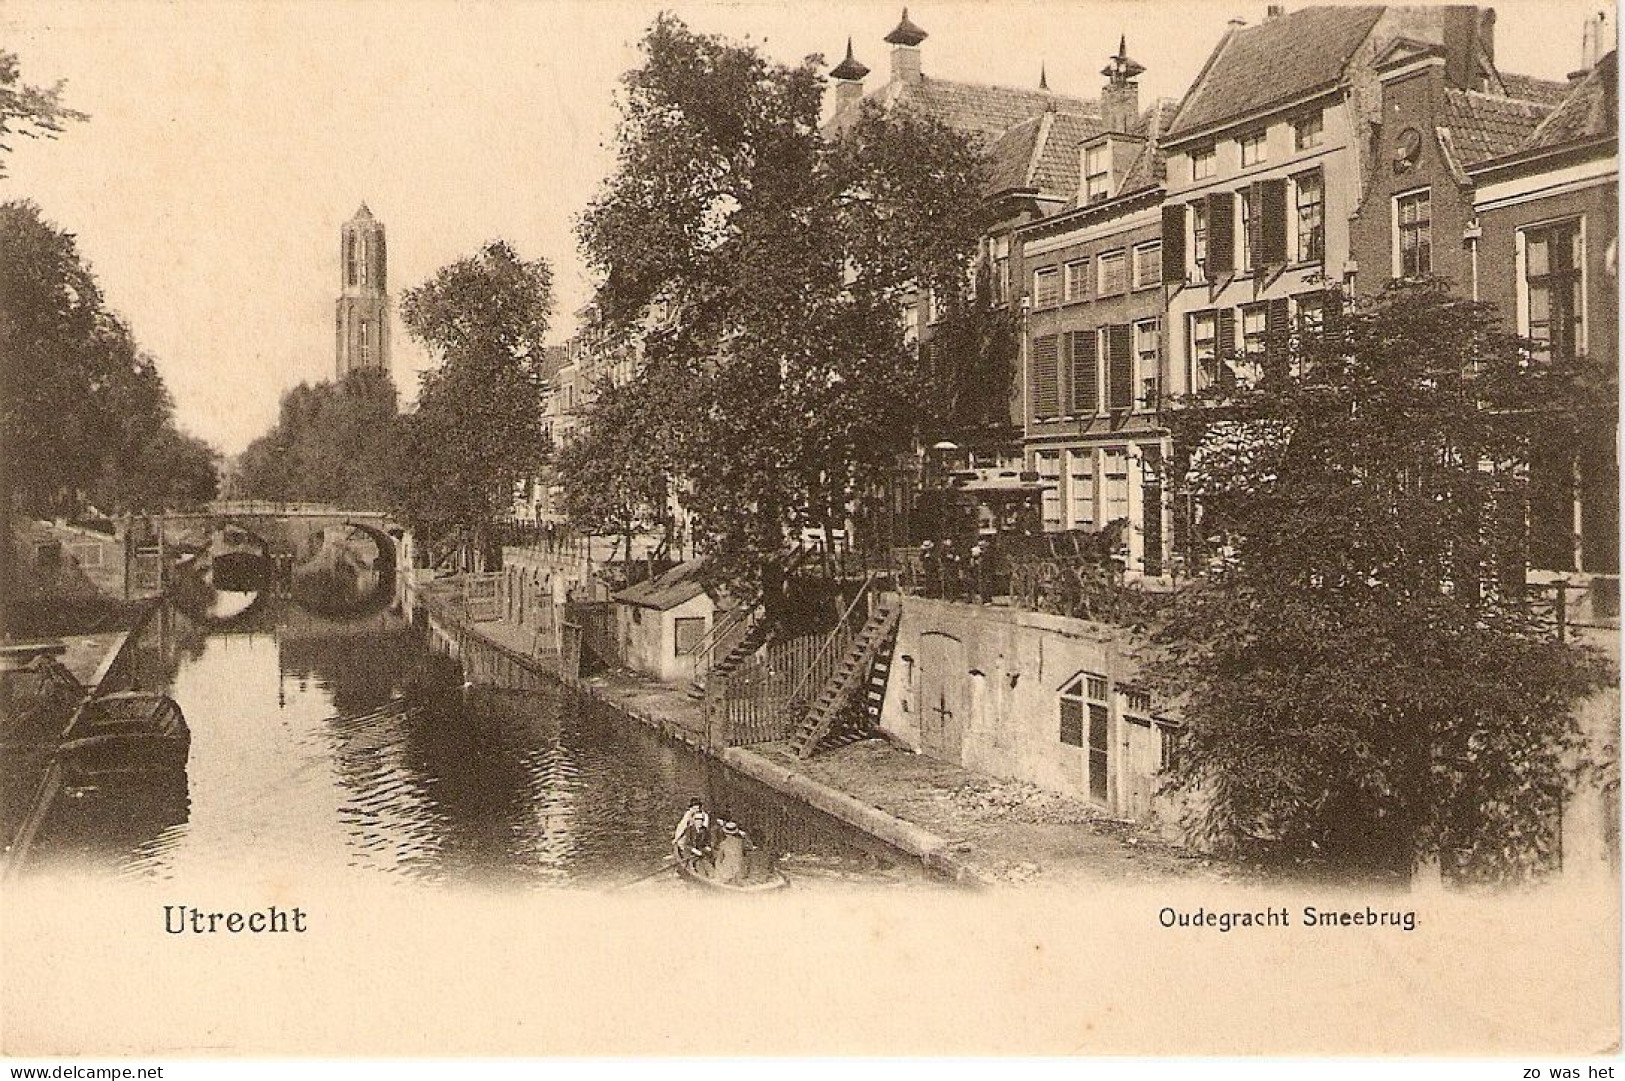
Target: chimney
{"x":848,"y":76}
{"x":1274,"y":11}
{"x":1592,"y":41}
{"x":1120,"y":97}
{"x":1467,"y":33}
{"x":905,"y":53}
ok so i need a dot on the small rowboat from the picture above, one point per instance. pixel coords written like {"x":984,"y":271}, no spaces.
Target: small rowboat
{"x":699,"y":872}
{"x":131,"y":736}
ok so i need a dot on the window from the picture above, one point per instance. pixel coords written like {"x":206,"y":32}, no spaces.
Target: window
{"x":1049,"y":477}
{"x":1204,"y":340}
{"x":361,"y":244}
{"x":1199,"y":231}
{"x":1148,"y":265}
{"x":1254,"y":148}
{"x":1254,"y":337}
{"x":1244,"y":229}
{"x":1204,"y":163}
{"x":1147,"y":354}
{"x":366,"y":340}
{"x":999,"y":254}
{"x":1077,"y":277}
{"x":1047,"y":287}
{"x":1308,"y":132}
{"x":1097,"y":173}
{"x":1113,"y":273}
{"x":1081,"y":488}
{"x":687,"y":634}
{"x":1086,"y":722}
{"x":1046,"y":367}
{"x":350,"y":259}
{"x":1114,"y":484}
{"x":1553,"y":285}
{"x":1311,"y":319}
{"x":1311,"y":218}
{"x":1415,"y":219}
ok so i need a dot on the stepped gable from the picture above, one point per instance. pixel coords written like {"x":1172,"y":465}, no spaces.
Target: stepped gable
{"x":1485,"y":126}
{"x":1255,"y":67}
{"x":1589,"y":111}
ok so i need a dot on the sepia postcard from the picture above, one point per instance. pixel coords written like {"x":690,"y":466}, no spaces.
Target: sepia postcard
{"x":729,"y":527}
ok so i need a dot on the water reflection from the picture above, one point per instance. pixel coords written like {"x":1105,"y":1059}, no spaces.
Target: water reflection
{"x":347,"y":747}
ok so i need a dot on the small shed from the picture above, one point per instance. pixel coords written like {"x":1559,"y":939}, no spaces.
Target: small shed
{"x":658,"y":623}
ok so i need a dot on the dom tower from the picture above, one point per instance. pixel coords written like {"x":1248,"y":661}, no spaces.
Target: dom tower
{"x":361,"y":323}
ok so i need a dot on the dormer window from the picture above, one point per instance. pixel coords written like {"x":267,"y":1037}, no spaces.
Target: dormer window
{"x":1204,"y":162}
{"x":1308,"y":132}
{"x":1097,"y":173}
{"x":1254,"y":149}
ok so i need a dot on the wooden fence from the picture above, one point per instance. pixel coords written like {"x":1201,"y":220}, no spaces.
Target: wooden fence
{"x":482,"y":596}
{"x":760,"y":699}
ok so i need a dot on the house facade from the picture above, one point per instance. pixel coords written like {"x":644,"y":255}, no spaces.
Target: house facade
{"x":1513,"y":202}
{"x":1092,"y":335}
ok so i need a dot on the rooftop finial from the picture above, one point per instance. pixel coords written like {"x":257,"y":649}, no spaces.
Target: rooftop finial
{"x":849,"y":70}
{"x":1043,"y":76}
{"x":906,"y":33}
{"x":1121,"y":69}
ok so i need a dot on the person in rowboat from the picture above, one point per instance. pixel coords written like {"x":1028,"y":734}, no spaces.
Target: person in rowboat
{"x":693,"y":837}
{"x":732,"y":859}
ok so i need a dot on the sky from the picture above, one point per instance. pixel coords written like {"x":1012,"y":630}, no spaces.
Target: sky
{"x":228,"y":141}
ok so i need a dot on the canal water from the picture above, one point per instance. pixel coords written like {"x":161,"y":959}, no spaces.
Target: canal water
{"x":324,"y":746}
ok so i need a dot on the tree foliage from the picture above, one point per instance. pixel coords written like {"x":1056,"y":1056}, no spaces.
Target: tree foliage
{"x":1363,"y":676}
{"x":84,"y":413}
{"x":331,"y":444}
{"x":34,"y":112}
{"x":477,"y":428}
{"x":763,"y":270}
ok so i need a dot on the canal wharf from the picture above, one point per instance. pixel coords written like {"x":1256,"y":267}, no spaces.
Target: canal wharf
{"x":963,"y":826}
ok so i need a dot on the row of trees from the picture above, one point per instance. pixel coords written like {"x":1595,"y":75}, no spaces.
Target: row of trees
{"x":331,"y":443}
{"x":85,"y":416}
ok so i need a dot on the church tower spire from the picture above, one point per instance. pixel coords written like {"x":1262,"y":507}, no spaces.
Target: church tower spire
{"x":361,"y":320}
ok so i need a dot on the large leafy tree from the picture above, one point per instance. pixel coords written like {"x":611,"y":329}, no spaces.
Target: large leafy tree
{"x":1363,"y":677}
{"x":331,"y":444}
{"x":764,"y":271}
{"x":84,"y":413}
{"x":477,"y":428}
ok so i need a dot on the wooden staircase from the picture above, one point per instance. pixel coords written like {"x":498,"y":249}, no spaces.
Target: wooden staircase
{"x":755,"y":635}
{"x":864,"y":668}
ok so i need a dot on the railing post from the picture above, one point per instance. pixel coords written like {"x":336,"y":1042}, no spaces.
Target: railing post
{"x":1562,"y":610}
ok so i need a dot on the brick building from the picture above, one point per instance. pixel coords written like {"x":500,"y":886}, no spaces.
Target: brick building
{"x":1092,"y":332}
{"x":1514,"y":202}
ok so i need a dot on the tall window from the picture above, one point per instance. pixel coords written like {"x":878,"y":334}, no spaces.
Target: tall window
{"x":1047,"y":287}
{"x":1204,"y":340}
{"x":1049,"y":478}
{"x":1081,"y":488}
{"x":349,"y":259}
{"x":1204,"y":162}
{"x":1113,"y":273}
{"x":1147,"y":351}
{"x":1311,"y":218}
{"x":1414,"y":214}
{"x":1254,"y":148}
{"x":999,"y":256}
{"x":1199,"y":230}
{"x":1309,"y":131}
{"x":1148,"y":265}
{"x":1244,"y":228}
{"x":1254,"y":338}
{"x":361,"y":246}
{"x":1086,"y":722}
{"x":1553,"y":283}
{"x":1077,"y":276}
{"x":1097,"y":176}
